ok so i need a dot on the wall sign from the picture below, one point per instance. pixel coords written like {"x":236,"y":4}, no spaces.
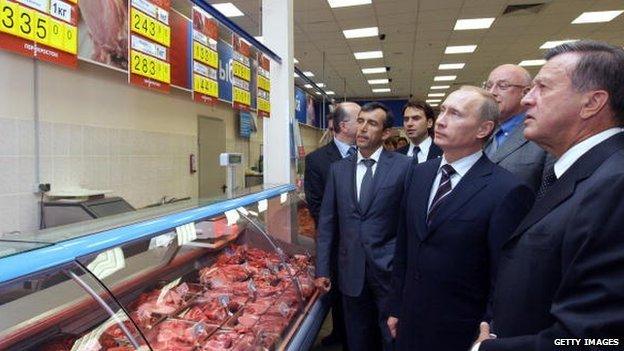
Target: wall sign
{"x":205,"y":57}
{"x":241,"y":74}
{"x":264,"y":86}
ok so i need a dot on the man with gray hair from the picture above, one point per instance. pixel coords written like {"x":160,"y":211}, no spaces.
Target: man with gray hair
{"x":561,"y":276}
{"x":508,"y":147}
{"x":448,"y":240}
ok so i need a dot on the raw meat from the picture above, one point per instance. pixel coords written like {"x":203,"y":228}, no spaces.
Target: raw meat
{"x":107,"y":23}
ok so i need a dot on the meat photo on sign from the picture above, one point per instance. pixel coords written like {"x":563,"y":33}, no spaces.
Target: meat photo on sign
{"x":103,"y":32}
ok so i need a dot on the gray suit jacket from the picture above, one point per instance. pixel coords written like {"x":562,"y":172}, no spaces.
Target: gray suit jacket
{"x":521,"y":157}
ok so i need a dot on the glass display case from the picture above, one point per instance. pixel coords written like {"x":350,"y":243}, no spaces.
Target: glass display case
{"x":226,"y":274}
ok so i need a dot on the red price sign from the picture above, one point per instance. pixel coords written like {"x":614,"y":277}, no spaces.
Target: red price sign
{"x":205,"y":58}
{"x":241,"y":69}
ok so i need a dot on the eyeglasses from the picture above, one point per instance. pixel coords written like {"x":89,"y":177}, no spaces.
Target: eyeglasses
{"x":502,"y":85}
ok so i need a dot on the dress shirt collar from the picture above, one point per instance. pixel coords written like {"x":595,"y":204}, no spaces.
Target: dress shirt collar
{"x":509,"y":125}
{"x":575,"y":152}
{"x":463,"y":165}
{"x":424,"y":145}
{"x":375,"y":156}
{"x":342,"y":147}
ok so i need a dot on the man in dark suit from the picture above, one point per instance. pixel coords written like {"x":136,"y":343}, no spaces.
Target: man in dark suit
{"x":316,"y":169}
{"x":456,"y":213}
{"x":508,"y":147}
{"x":418,"y":118}
{"x":359,"y":211}
{"x":562,"y":271}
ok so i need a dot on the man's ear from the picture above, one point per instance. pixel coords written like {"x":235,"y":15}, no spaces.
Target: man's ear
{"x":386,"y":134}
{"x":429,"y":123}
{"x":593,"y":102}
{"x":485,"y":130}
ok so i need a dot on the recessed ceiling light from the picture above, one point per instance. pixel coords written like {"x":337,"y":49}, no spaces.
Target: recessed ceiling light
{"x":436,"y":94}
{"x":228,"y":9}
{"x":320,"y":85}
{"x":365,"y":55}
{"x":440,"y":87}
{"x":473,"y":23}
{"x":378,"y":81}
{"x":434,"y":105}
{"x":329,"y":92}
{"x":552,"y":44}
{"x":532,"y":63}
{"x":309,"y":86}
{"x":308,"y":74}
{"x":597,"y":16}
{"x":344,"y":3}
{"x":460,"y":49}
{"x":361,"y":32}
{"x":296,"y":75}
{"x":447,"y":66}
{"x":374,"y":70}
{"x":295,"y":60}
{"x":444,"y":78}
{"x":433,"y":100}
{"x":260,"y":39}
{"x":381,"y":90}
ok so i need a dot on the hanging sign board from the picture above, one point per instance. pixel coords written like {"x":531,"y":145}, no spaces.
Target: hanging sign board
{"x":264,"y":86}
{"x":42,"y":29}
{"x":205,"y":57}
{"x":150,"y":39}
{"x":241,"y":74}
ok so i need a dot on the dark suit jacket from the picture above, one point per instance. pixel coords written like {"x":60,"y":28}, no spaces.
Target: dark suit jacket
{"x":562,"y":271}
{"x":316,"y":169}
{"x":443,"y":275}
{"x":365,"y":235}
{"x":434,"y":151}
{"x":521,"y":157}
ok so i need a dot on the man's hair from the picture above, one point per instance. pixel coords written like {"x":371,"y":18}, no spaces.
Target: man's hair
{"x":488,"y":111}
{"x":371,"y":106}
{"x":419,"y":104}
{"x":340,"y":115}
{"x":600,"y":67}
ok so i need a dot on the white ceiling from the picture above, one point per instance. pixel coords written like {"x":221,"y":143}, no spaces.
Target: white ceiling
{"x":417,"y":32}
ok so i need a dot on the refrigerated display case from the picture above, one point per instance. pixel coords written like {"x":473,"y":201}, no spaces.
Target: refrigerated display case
{"x":227,"y":274}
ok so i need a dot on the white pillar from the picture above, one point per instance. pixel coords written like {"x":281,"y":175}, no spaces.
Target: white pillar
{"x":277,"y":32}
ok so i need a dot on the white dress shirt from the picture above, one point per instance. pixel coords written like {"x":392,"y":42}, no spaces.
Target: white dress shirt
{"x":342,"y":147}
{"x":461,"y":166}
{"x":424,"y":146}
{"x":575,"y":152}
{"x":361,"y":168}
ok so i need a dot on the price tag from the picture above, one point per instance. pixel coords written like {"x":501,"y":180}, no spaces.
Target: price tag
{"x":232,"y":217}
{"x":107,"y":263}
{"x":205,"y":86}
{"x":205,"y":55}
{"x":263,"y":205}
{"x":150,"y":67}
{"x":61,"y":10}
{"x":283,"y":198}
{"x":264,"y":105}
{"x":41,"y":5}
{"x":150,"y":27}
{"x":242,"y":210}
{"x":241,"y":71}
{"x":165,"y":290}
{"x":9,"y":14}
{"x":241,"y":96}
{"x":264,"y":83}
{"x":186,"y":233}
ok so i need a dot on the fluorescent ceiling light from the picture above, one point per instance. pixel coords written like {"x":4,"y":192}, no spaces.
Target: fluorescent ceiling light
{"x":228,"y":9}
{"x":532,"y":63}
{"x":378,"y":81}
{"x":365,"y":55}
{"x":381,"y":90}
{"x":296,"y":75}
{"x":374,"y":70}
{"x":444,"y":78}
{"x":552,"y":44}
{"x":308,"y":74}
{"x":473,"y":23}
{"x":260,"y":39}
{"x":460,"y":49}
{"x":597,"y":16}
{"x":344,"y":3}
{"x":434,"y":105}
{"x":448,"y":66}
{"x":320,"y":85}
{"x":361,"y":32}
{"x":295,"y":60}
{"x":440,"y":87}
{"x":309,"y":86}
{"x":436,"y":94}
{"x":433,"y":100}
{"x":317,"y":93}
{"x":329,"y":92}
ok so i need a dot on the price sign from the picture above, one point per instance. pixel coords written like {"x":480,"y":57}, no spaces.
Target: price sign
{"x":205,"y":86}
{"x":241,"y":71}
{"x":205,"y":55}
{"x":264,"y":83}
{"x":264,"y":86}
{"x":263,"y":105}
{"x":150,"y":41}
{"x":240,"y":96}
{"x":47,"y":30}
{"x":205,"y":58}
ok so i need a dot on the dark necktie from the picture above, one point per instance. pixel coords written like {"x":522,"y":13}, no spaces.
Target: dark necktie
{"x":549,"y":179}
{"x":366,"y":188}
{"x":352,"y":151}
{"x":415,"y":154}
{"x":444,"y":189}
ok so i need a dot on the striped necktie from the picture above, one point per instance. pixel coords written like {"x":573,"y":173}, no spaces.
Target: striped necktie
{"x":444,"y":189}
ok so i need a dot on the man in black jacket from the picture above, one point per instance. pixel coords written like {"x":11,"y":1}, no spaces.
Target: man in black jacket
{"x":561,"y":274}
{"x":418,"y":119}
{"x":316,"y":169}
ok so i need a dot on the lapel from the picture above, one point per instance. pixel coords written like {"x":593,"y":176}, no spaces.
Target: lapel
{"x":421,"y":188}
{"x":352,"y":182}
{"x":381,"y":172}
{"x":471,"y":183}
{"x":583,"y":168}
{"x":514,"y":141}
{"x":332,"y":152}
{"x":434,"y":152}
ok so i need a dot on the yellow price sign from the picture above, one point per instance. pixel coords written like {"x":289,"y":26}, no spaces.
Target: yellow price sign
{"x":205,"y":55}
{"x":241,"y":71}
{"x":264,"y":83}
{"x":57,"y":34}
{"x":264,"y":105}
{"x":241,"y":96}
{"x":150,"y":27}
{"x":205,"y":85}
{"x":150,"y":67}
